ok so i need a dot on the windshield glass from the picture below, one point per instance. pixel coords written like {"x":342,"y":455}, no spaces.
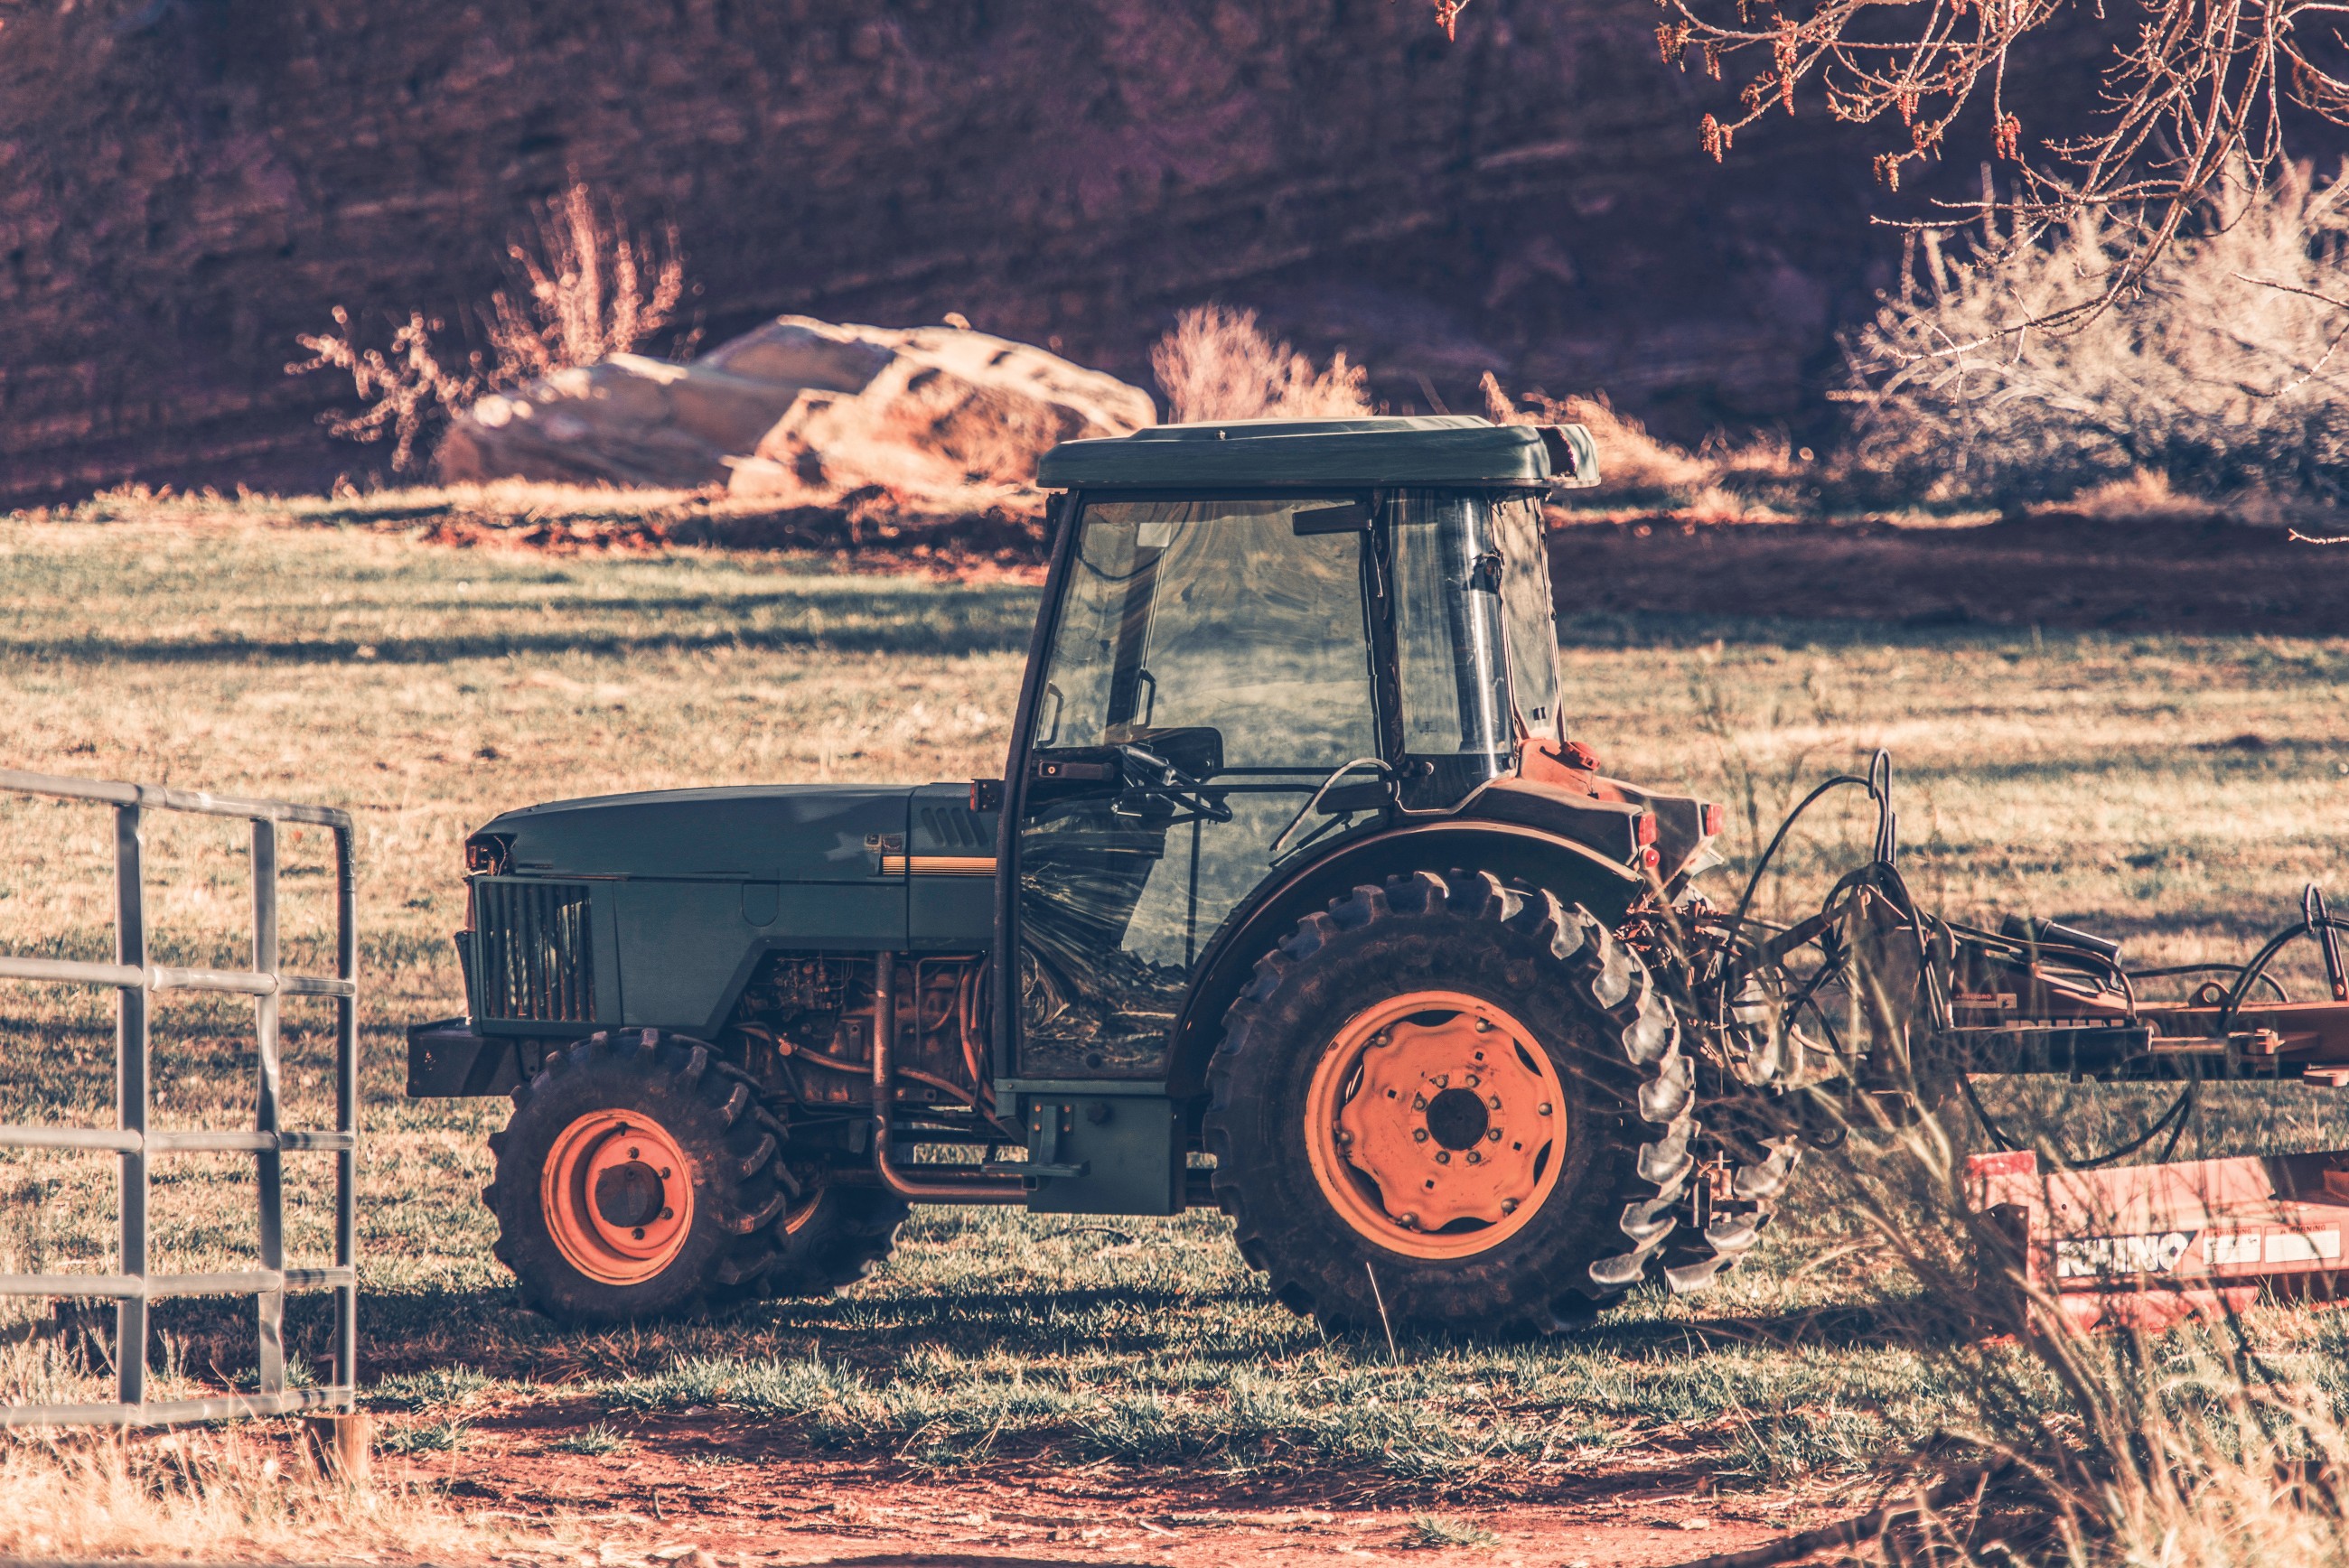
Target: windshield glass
{"x":1217,"y":613}
{"x":1213,"y":636}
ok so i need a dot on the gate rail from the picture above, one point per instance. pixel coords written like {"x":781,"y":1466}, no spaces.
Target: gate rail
{"x":135,"y":980}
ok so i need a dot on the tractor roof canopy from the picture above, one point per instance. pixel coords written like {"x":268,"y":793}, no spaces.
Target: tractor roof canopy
{"x":1444,"y":449}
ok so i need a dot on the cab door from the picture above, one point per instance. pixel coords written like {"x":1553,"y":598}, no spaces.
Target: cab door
{"x":1209,"y":665}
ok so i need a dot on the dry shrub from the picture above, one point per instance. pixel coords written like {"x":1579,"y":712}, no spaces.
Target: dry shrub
{"x":584,"y":286}
{"x":1218,"y":364}
{"x":2222,"y":374}
{"x":1630,"y":460}
{"x":2142,"y":496}
{"x":590,"y":286}
{"x":403,"y":392}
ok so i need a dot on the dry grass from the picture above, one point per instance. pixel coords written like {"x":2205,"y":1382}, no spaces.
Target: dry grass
{"x":231,"y":1494}
{"x":2093,"y":776}
{"x":1218,"y":363}
{"x":2214,"y":1444}
{"x":2143,"y":495}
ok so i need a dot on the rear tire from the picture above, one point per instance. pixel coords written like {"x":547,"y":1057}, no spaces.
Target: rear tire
{"x":1435,"y":984}
{"x":639,"y":1178}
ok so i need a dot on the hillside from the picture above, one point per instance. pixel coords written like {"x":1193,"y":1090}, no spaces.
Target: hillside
{"x":187,"y":184}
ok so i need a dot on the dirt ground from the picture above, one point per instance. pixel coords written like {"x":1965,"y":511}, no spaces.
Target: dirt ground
{"x":741,"y":1490}
{"x":2050,"y":568}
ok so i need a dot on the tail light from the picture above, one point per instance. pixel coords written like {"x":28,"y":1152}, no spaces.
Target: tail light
{"x":1716,"y":821}
{"x":1646,"y":831}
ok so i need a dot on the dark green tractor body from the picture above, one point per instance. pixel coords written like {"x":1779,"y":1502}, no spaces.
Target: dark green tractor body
{"x":656,"y":910}
{"x":1290,"y":733}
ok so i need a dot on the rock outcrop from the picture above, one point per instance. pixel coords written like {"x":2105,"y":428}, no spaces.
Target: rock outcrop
{"x":801,"y":410}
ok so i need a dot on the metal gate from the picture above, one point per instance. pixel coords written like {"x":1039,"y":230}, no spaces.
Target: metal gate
{"x":135,"y":980}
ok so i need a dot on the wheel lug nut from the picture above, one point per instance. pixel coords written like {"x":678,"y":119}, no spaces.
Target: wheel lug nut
{"x":1409,"y":1221}
{"x":1493,"y":1134}
{"x":1444,"y":1156}
{"x":1545,"y":1108}
{"x":636,"y":1153}
{"x":1508,"y":1205}
{"x":1474,"y":1157}
{"x":1419,"y":1135}
{"x":1496,"y":1105}
{"x":1419,"y":1102}
{"x":639,"y":1232}
{"x":1345,"y":1138}
{"x":668,"y":1213}
{"x":1484,"y":1025}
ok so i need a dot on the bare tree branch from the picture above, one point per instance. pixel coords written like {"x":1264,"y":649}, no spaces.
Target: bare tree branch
{"x":2197,"y":93}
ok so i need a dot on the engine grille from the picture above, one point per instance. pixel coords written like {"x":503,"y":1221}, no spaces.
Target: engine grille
{"x":532,"y":952}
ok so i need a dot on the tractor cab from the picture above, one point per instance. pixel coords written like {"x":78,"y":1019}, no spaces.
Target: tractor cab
{"x":1261,"y":638}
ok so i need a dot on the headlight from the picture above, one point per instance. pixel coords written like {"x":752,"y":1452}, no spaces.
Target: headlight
{"x":488,"y":854}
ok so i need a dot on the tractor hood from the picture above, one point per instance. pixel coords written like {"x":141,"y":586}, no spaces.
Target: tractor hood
{"x":778,"y":833}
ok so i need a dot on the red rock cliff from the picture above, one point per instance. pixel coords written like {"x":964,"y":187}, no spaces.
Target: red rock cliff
{"x":186,"y":184}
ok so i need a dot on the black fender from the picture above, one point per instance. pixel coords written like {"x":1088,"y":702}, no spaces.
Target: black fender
{"x":1577,"y":874}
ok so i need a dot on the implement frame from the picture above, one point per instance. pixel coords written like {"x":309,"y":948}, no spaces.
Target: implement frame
{"x":135,"y":980}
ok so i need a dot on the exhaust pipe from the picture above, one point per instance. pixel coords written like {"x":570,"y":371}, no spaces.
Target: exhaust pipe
{"x":970,"y":1189}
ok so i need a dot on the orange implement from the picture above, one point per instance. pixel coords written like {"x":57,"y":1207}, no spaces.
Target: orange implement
{"x":2149,"y":1245}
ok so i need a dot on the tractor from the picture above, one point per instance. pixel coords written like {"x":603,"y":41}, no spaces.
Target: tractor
{"x":1295,"y":898}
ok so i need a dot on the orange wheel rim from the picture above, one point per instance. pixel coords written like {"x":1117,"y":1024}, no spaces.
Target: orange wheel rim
{"x":1434,"y":1123}
{"x":617,"y":1194}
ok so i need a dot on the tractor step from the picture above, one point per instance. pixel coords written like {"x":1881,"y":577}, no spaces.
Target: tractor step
{"x":2146,"y":1246}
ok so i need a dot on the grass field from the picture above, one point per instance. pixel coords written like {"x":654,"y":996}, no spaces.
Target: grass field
{"x":2176,"y":791}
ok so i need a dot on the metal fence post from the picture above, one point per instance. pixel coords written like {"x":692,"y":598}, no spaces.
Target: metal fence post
{"x":347,"y":1106}
{"x":130,"y":1101}
{"x":270,"y":1304}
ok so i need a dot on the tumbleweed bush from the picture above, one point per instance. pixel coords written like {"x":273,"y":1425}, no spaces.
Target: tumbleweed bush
{"x":2221,"y":372}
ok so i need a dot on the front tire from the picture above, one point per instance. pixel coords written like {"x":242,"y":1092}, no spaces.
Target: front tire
{"x":1459,"y":1102}
{"x":639,"y":1178}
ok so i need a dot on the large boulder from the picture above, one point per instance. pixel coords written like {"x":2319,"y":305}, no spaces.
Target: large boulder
{"x":801,"y":410}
